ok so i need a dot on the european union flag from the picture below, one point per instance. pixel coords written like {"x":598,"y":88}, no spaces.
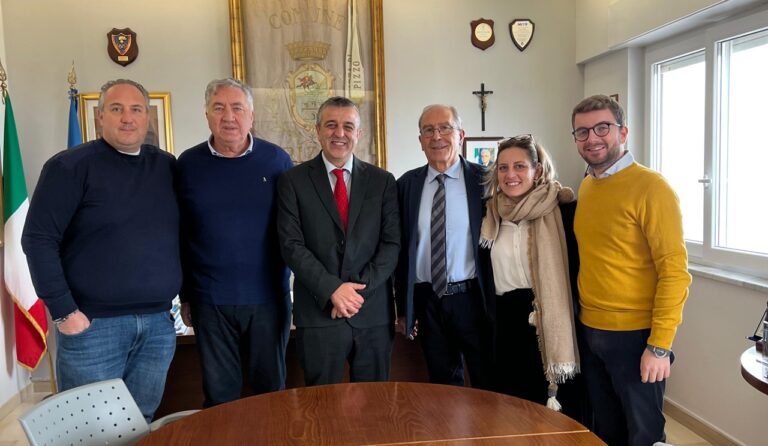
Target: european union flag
{"x":74,"y":137}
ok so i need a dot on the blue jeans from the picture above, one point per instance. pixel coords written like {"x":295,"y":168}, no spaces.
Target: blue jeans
{"x":137,"y":348}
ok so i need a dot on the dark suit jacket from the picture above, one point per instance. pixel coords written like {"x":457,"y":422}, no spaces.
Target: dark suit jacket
{"x":322,"y":256}
{"x":409,"y":189}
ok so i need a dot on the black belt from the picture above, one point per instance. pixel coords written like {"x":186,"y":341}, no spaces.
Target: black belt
{"x":462,"y":287}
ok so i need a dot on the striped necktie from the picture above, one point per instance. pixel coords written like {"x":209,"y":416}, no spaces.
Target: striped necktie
{"x":437,"y":236}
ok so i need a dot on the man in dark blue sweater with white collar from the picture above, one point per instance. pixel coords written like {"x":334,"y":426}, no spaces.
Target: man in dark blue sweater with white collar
{"x":235,"y":291}
{"x":102,"y":244}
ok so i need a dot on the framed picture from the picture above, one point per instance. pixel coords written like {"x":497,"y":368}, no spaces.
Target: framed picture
{"x":159,"y":134}
{"x":295,"y":55}
{"x":482,"y":149}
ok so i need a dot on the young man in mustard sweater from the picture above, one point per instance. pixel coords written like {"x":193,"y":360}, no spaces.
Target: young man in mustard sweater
{"x":633,"y":278}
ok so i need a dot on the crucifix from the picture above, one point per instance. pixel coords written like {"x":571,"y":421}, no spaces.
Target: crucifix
{"x":482,"y":94}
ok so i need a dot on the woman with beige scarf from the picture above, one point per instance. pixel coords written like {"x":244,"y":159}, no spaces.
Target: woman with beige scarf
{"x":530,"y":259}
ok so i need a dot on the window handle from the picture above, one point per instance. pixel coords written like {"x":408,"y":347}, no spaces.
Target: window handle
{"x":706,"y":181}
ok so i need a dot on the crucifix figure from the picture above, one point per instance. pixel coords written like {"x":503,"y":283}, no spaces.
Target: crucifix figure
{"x":482,"y":94}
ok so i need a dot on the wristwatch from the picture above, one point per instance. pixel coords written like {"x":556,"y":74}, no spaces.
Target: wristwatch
{"x":658,"y":351}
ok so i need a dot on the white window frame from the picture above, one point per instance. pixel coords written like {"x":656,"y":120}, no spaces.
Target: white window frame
{"x":705,"y":38}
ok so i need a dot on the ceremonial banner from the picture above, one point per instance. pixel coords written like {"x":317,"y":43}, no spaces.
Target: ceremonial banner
{"x":295,"y":54}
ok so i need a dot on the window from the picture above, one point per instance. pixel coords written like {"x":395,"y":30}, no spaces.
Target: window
{"x":678,"y":93}
{"x":708,"y":106}
{"x":742,"y":155}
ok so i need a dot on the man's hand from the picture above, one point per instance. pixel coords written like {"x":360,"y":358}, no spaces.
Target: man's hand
{"x":346,"y":301}
{"x":76,"y":323}
{"x":653,"y":369}
{"x":400,"y":328}
{"x":186,"y":314}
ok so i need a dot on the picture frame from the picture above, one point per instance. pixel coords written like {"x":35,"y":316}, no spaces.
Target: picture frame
{"x":481,"y":149}
{"x":310,"y":59}
{"x":160,"y":131}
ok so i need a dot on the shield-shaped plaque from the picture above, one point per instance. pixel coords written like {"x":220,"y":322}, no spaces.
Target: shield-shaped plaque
{"x":122,"y":46}
{"x":482,"y":35}
{"x":521,"y":31}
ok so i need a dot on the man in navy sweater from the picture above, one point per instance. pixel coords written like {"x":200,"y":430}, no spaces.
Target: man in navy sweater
{"x":102,"y":243}
{"x":235,"y":291}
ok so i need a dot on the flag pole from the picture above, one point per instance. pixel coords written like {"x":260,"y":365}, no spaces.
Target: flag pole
{"x":3,"y":88}
{"x":51,"y":375}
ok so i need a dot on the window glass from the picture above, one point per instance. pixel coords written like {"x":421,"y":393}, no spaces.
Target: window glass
{"x":742,"y":152}
{"x":679,"y":134}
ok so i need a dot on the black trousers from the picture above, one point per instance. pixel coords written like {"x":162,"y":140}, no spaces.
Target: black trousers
{"x":627,"y":411}
{"x":323,"y":351}
{"x":451,"y":328}
{"x":227,"y":333}
{"x":518,"y":366}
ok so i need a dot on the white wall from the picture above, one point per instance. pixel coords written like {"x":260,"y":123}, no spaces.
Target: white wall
{"x":429,"y":59}
{"x":706,"y":378}
{"x":611,"y":23}
{"x":183,"y":44}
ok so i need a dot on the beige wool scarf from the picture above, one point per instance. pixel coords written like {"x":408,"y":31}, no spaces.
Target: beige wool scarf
{"x":548,"y":258}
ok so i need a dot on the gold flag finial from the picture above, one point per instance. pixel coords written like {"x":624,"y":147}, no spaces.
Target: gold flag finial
{"x":3,"y":78}
{"x":72,"y":77}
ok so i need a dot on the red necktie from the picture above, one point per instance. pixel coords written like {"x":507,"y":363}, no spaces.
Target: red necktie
{"x":340,"y":195}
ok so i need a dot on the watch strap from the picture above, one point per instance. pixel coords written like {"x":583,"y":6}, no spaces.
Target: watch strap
{"x":658,"y":351}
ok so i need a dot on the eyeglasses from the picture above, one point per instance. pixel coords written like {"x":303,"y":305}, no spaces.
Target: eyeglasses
{"x":601,"y":129}
{"x":443,"y":130}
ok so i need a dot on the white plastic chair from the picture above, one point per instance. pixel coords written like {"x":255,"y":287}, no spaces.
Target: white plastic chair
{"x":94,"y":414}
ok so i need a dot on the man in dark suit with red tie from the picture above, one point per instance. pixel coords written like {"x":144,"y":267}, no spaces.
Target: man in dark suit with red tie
{"x":436,"y":283}
{"x":338,"y":225}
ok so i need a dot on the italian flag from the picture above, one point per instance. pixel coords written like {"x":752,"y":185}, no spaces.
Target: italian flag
{"x":29,"y":311}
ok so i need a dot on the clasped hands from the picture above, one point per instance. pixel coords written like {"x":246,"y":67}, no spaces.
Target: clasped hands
{"x":346,"y":300}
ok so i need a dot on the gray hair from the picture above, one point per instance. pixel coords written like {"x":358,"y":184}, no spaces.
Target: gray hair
{"x":217,"y":84}
{"x":456,"y":118}
{"x":110,"y":84}
{"x":599,"y":102}
{"x":336,"y":102}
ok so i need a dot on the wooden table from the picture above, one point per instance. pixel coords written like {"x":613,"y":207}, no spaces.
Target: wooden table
{"x":391,"y":413}
{"x":752,"y":369}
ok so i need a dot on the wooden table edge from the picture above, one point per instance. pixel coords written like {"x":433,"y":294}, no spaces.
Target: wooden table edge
{"x":759,"y":384}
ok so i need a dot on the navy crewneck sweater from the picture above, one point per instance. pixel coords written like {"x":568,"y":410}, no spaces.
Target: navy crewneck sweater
{"x":102,"y":232}
{"x":230,"y":252}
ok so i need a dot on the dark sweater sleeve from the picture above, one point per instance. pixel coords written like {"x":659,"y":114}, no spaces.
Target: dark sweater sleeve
{"x":56,"y":198}
{"x":568,"y":212}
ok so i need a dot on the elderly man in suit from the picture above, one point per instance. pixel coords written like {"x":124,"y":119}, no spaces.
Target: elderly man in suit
{"x":339,"y":233}
{"x":437,"y":286}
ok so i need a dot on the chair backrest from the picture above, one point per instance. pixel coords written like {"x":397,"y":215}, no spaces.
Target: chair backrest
{"x":94,"y":414}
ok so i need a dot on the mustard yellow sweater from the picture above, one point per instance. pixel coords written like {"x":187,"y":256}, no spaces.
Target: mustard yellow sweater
{"x":634,"y":266}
